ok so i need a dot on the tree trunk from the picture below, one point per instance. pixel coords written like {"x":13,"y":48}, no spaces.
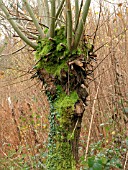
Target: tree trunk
{"x":64,"y":134}
{"x":66,"y":112}
{"x":64,"y":77}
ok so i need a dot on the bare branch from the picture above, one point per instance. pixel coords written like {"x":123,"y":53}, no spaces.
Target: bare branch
{"x":35,"y":21}
{"x":69,"y":24}
{"x":47,"y":11}
{"x":81,"y":24}
{"x":60,"y":8}
{"x":52,"y":24}
{"x":3,"y":55}
{"x":15,"y":27}
{"x":76,"y":11}
{"x":77,"y":20}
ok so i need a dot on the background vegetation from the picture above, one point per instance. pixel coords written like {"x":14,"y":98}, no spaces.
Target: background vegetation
{"x":24,"y":107}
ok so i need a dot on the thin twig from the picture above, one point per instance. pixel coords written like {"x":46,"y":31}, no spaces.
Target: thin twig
{"x":111,"y":40}
{"x":35,"y":84}
{"x":12,"y":160}
{"x":104,"y":57}
{"x":97,"y":25}
{"x":15,"y":78}
{"x":74,"y":128}
{"x":4,"y":55}
{"x":60,"y":8}
{"x":11,"y":84}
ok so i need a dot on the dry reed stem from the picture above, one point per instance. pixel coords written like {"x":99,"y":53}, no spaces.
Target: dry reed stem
{"x":90,"y":127}
{"x":125,"y":164}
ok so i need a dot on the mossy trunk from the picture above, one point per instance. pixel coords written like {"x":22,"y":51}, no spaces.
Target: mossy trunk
{"x":65,"y":126}
{"x":63,"y":74}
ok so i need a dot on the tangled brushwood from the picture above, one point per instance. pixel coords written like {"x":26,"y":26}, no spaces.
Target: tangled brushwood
{"x":64,"y":76}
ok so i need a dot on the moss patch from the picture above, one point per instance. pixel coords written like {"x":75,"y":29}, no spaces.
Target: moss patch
{"x":64,"y":105}
{"x":52,"y":54}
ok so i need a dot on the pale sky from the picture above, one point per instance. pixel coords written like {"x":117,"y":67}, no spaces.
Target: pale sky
{"x":108,"y":3}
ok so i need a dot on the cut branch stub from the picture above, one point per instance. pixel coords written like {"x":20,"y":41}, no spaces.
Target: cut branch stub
{"x":79,"y":108}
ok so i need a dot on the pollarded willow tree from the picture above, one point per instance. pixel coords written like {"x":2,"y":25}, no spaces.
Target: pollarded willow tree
{"x":55,"y":31}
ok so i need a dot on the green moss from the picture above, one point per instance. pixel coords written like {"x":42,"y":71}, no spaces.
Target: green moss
{"x":59,"y":47}
{"x":60,"y":34}
{"x":60,"y":152}
{"x":59,"y":68}
{"x":65,"y":107}
{"x":52,"y":54}
{"x":65,"y":101}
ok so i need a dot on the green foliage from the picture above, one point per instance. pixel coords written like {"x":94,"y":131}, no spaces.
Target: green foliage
{"x":61,"y":157}
{"x":64,"y":105}
{"x":16,"y":160}
{"x":59,"y":47}
{"x":101,"y":162}
{"x":61,"y":111}
{"x":46,"y":30}
{"x":100,"y":158}
{"x":53,"y":53}
{"x":26,"y":156}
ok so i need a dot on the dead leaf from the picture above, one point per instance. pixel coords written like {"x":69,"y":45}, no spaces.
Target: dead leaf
{"x":120,"y":4}
{"x":79,"y":108}
{"x":1,"y":74}
{"x":114,"y":20}
{"x":77,"y":62}
{"x":119,"y":14}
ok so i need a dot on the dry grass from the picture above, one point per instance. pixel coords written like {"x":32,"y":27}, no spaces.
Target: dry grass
{"x":23,"y":110}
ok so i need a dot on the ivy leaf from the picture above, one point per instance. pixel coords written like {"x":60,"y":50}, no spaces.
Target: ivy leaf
{"x":97,"y":166}
{"x":45,"y":30}
{"x":91,"y":161}
{"x":104,"y":160}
